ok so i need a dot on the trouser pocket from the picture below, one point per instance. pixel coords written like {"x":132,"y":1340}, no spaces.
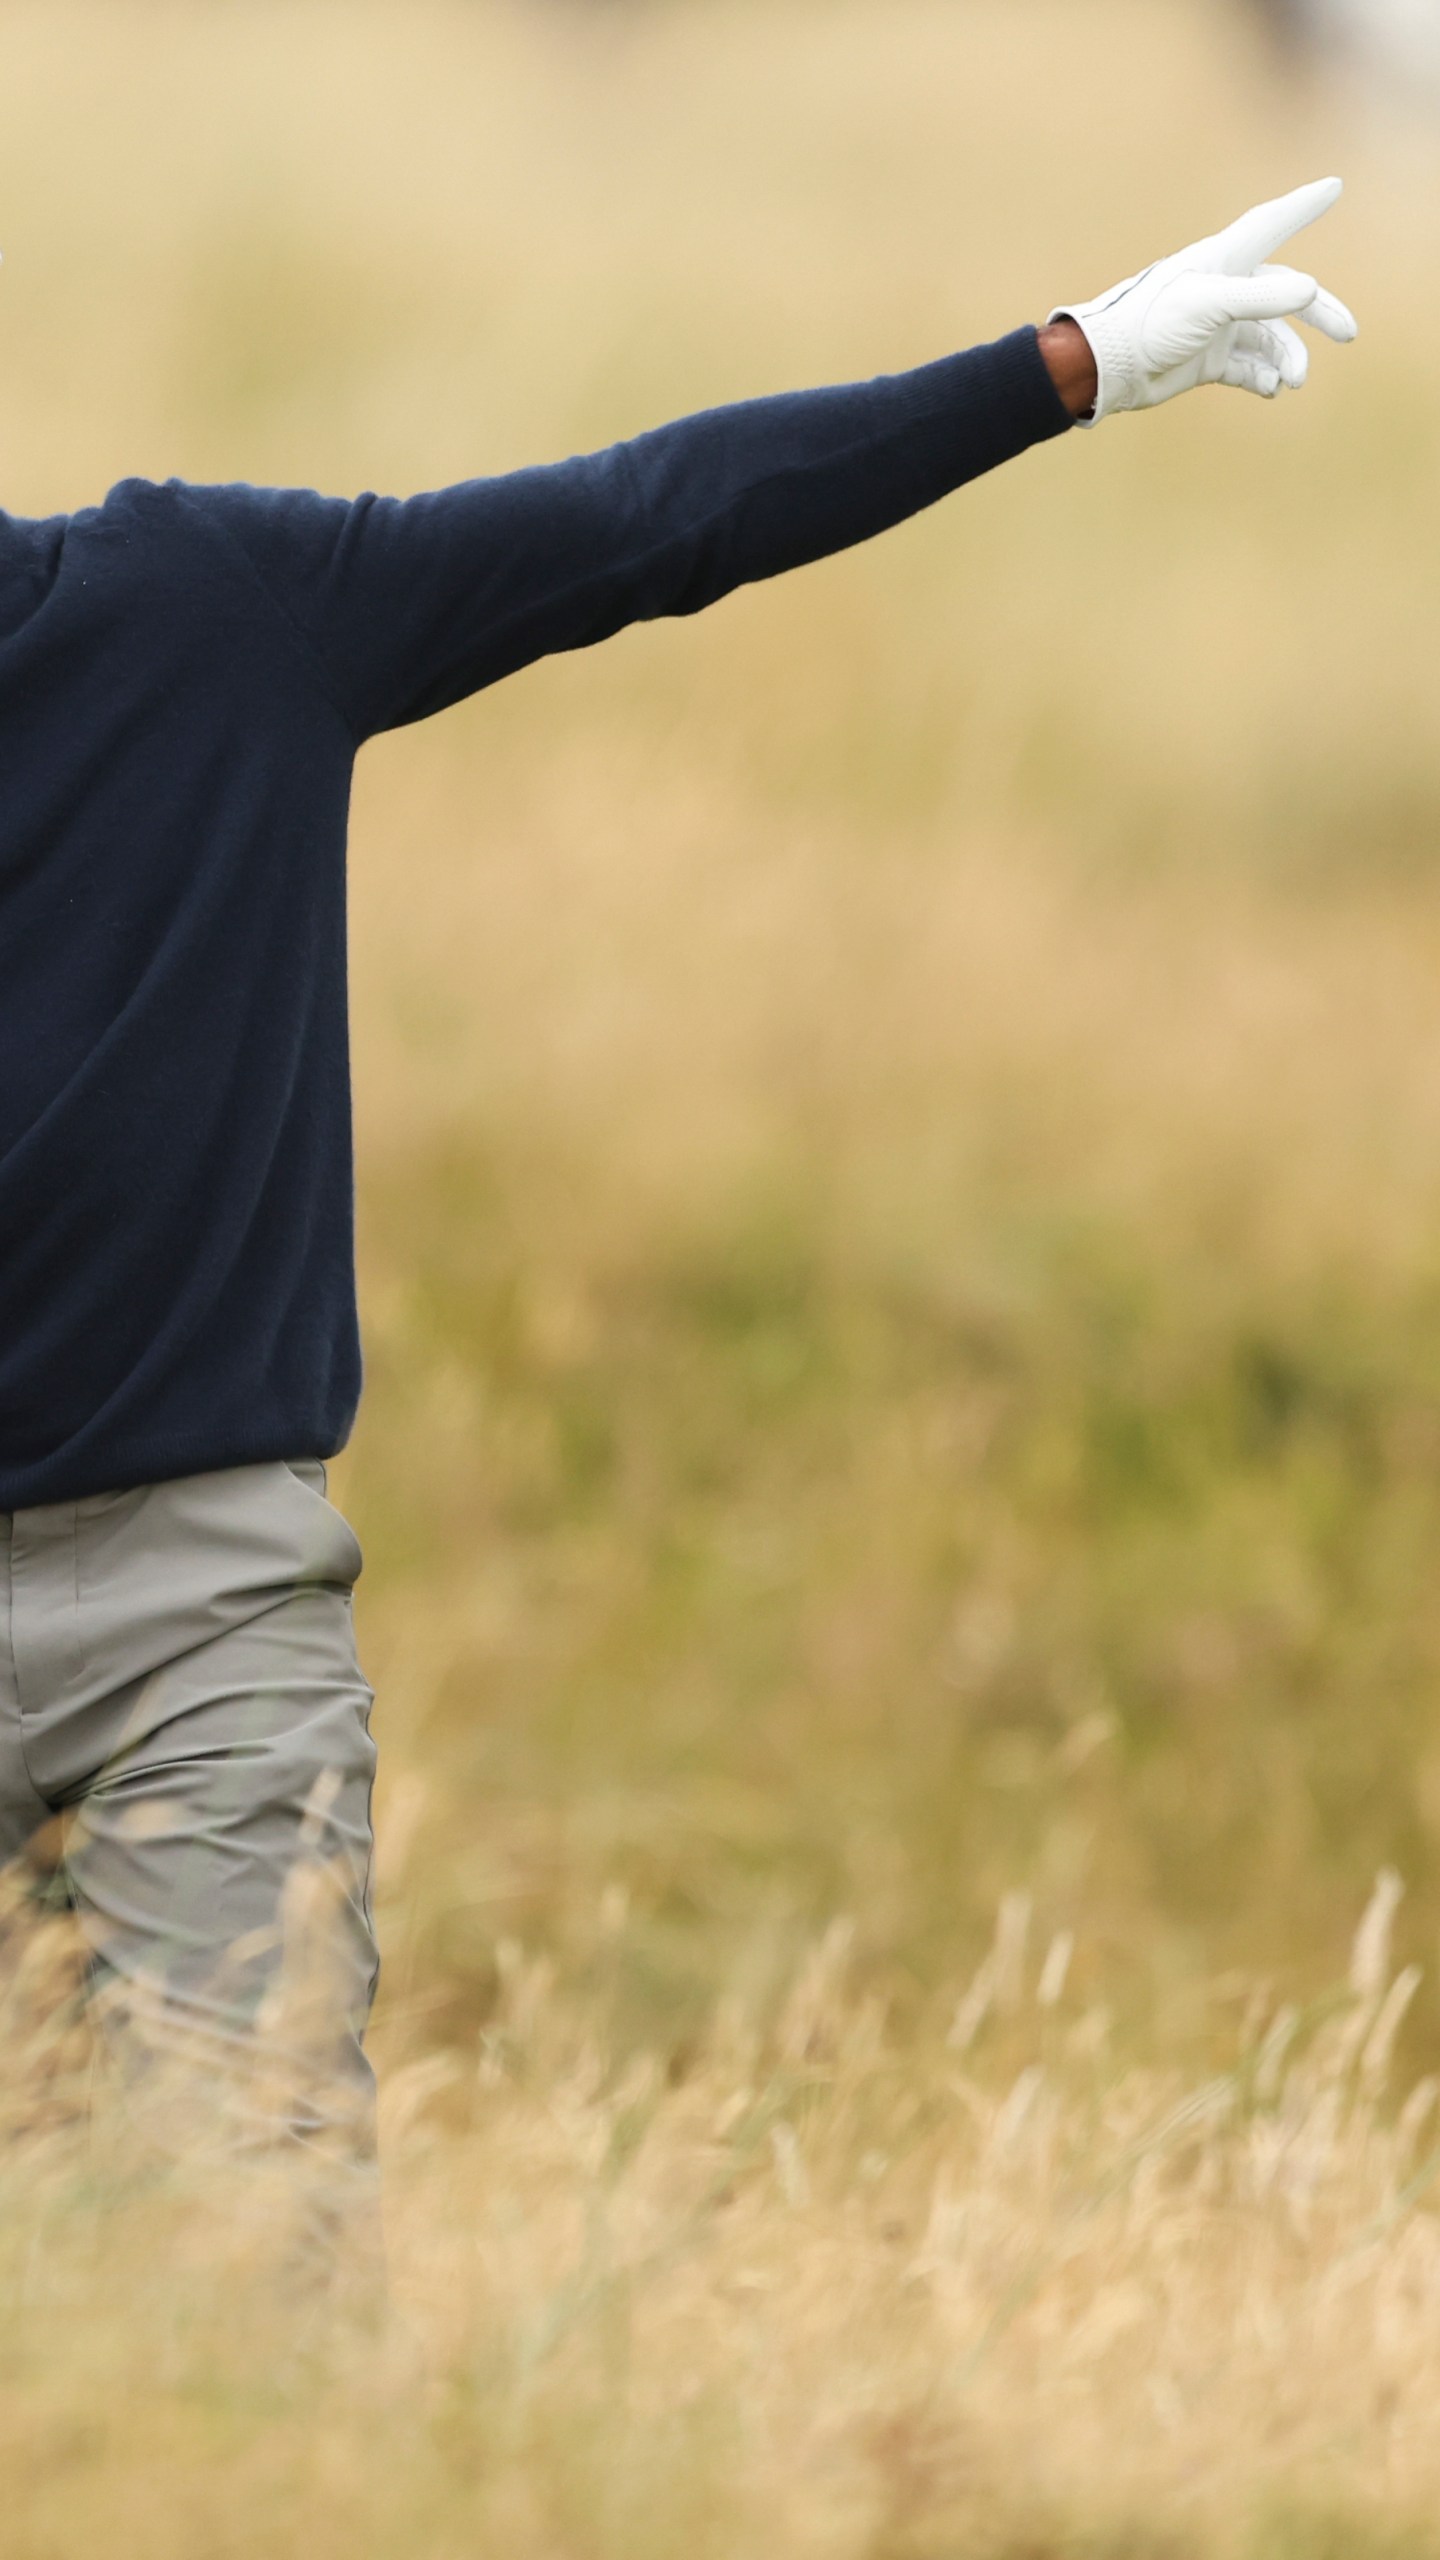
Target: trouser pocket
{"x":45,"y":1605}
{"x":338,"y":1557}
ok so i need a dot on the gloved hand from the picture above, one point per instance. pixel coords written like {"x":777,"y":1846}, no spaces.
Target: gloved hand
{"x":1215,"y":313}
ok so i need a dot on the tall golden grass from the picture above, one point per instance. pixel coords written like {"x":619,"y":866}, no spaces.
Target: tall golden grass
{"x":836,"y":2286}
{"x":900,"y":1154}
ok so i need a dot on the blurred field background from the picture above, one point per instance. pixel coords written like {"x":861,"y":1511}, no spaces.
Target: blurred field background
{"x":899,"y":1125}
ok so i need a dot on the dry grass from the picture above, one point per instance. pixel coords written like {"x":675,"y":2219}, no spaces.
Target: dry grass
{"x":900,"y":1145}
{"x":829,"y":2289}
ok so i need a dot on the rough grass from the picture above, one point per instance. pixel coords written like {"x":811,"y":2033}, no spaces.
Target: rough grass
{"x":838,"y":2283}
{"x":900,"y":1153}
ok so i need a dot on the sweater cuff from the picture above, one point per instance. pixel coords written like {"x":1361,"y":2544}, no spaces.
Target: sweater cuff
{"x":989,"y":405}
{"x":1022,"y":391}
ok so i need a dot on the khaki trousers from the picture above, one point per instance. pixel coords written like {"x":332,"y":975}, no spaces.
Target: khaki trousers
{"x":178,"y":1677}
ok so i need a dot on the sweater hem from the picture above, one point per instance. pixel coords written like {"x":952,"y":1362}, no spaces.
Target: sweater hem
{"x":168,"y":1459}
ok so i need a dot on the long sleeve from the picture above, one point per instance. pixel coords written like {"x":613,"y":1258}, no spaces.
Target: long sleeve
{"x":408,"y":605}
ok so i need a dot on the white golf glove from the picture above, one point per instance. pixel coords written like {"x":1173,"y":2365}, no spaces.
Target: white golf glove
{"x":1215,"y":313}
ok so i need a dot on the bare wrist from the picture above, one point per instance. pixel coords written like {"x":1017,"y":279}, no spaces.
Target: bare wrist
{"x":1070,"y":361}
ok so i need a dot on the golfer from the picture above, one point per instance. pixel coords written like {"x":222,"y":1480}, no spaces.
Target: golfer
{"x":186,"y":675}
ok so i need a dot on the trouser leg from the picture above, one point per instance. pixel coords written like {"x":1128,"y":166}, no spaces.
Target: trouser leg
{"x":189,"y":1689}
{"x":219,"y":1868}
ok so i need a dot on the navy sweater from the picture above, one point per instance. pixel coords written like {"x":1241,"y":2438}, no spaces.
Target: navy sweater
{"x":185,"y":677}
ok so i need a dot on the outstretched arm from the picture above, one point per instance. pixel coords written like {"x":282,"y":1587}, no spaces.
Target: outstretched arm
{"x":411,"y":604}
{"x":408,"y":605}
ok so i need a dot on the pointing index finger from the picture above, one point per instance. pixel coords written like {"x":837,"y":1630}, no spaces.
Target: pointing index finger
{"x":1256,"y":236}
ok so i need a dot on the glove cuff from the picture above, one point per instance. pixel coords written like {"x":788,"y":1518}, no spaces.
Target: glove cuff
{"x":1117,"y":358}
